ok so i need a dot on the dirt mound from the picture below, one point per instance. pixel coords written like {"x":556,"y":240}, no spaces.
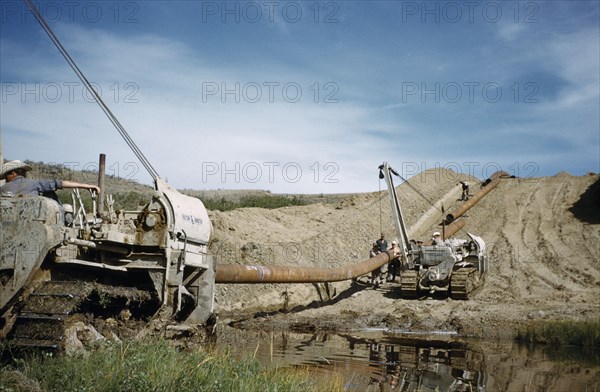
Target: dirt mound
{"x":542,"y":237}
{"x":563,"y":174}
{"x":316,"y":235}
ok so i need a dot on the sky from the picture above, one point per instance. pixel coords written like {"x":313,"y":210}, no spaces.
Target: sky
{"x":305,"y":96}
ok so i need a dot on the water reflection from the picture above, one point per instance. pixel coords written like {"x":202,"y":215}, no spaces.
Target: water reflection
{"x":379,"y":361}
{"x":422,"y":365}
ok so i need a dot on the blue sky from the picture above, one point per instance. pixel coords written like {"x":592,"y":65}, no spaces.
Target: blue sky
{"x":306,"y":96}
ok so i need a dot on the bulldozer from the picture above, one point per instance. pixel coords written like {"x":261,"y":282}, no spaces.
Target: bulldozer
{"x":455,"y":266}
{"x":57,"y":262}
{"x":60,"y":264}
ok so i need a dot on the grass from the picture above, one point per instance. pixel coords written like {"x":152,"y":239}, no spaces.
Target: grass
{"x":152,"y":366}
{"x":561,"y":332}
{"x":131,"y":201}
{"x":263,"y":201}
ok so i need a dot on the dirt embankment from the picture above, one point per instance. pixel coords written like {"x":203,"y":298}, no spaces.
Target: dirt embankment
{"x":542,"y":236}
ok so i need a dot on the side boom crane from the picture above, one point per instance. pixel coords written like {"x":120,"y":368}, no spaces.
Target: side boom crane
{"x":385,"y":172}
{"x":456,"y":266}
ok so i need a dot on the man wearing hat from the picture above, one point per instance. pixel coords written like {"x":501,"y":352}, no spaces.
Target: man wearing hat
{"x":15,"y":172}
{"x":437,"y":239}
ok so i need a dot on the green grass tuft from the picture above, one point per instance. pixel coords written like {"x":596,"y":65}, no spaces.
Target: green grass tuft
{"x":561,"y":332}
{"x":152,"y":366}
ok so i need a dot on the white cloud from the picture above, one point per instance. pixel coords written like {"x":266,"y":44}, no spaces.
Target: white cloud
{"x":181,"y":125}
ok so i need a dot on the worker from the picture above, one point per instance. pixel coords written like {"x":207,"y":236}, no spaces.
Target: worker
{"x":376,"y":278}
{"x":465,"y":191}
{"x":374,"y":250}
{"x":382,"y":243}
{"x":394,"y":263}
{"x":437,"y":239}
{"x":15,"y":173}
{"x":412,"y":244}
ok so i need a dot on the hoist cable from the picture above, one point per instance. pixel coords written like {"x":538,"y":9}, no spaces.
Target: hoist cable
{"x":380,"y":210}
{"x":112,"y":118}
{"x":416,"y":190}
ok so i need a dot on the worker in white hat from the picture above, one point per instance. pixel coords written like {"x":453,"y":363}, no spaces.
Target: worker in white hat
{"x":13,"y":167}
{"x":437,"y":239}
{"x":465,"y":190}
{"x":15,"y":173}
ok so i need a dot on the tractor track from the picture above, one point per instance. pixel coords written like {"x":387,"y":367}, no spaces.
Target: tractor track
{"x":44,"y":317}
{"x":464,"y":283}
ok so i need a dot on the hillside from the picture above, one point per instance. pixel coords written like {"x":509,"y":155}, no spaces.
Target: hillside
{"x":542,"y":234}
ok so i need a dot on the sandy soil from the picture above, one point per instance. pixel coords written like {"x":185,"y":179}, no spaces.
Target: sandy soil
{"x":542,"y":235}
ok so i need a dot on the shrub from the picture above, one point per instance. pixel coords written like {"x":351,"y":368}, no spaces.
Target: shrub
{"x":266,"y":201}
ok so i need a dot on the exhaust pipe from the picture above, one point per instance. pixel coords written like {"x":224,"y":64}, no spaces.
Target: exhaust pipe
{"x":101,"y":178}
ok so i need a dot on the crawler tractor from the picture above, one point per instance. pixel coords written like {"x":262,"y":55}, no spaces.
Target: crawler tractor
{"x":457,"y":266}
{"x":58,"y":264}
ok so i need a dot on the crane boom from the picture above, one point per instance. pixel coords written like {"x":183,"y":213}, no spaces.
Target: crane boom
{"x":386,"y":172}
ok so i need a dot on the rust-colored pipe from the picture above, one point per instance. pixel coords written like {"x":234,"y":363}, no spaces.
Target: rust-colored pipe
{"x":453,"y":227}
{"x":499,"y":174}
{"x":235,"y":273}
{"x":464,"y":207}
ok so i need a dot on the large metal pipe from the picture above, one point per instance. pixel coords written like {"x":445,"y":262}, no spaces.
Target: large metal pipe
{"x":234,"y":273}
{"x":452,"y":228}
{"x":473,"y":200}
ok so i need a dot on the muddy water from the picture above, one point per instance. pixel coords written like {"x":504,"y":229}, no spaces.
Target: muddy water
{"x":383,"y":361}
